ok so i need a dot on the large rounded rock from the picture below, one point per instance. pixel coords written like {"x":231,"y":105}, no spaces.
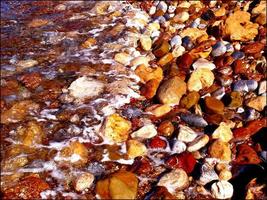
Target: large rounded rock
{"x":171,"y":91}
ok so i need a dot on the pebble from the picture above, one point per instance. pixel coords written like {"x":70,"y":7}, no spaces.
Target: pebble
{"x":35,"y":23}
{"x":219,"y":94}
{"x":178,"y":147}
{"x":208,"y":15}
{"x":159,"y":110}
{"x":208,"y":174}
{"x":152,"y":10}
{"x":140,"y":60}
{"x":246,"y":155}
{"x":118,"y":133}
{"x":162,"y":6}
{"x":171,"y":8}
{"x":220,"y":150}
{"x":245,"y":85}
{"x":181,"y":17}
{"x":27,"y":63}
{"x":153,"y":27}
{"x":236,"y":30}
{"x":161,"y":20}
{"x":147,"y":131}
{"x":166,"y":128}
{"x":158,"y":143}
{"x":132,"y":112}
{"x":195,"y":23}
{"x":171,"y":91}
{"x":198,"y":143}
{"x":146,"y":73}
{"x":184,"y":4}
{"x":166,"y":59}
{"x":119,"y":185}
{"x":175,"y":180}
{"x":252,"y":85}
{"x":84,"y":181}
{"x":190,"y":100}
{"x":254,"y":47}
{"x":200,"y":79}
{"x":220,"y":12}
{"x":186,"y":134}
{"x":85,"y":87}
{"x":225,"y":80}
{"x":222,"y":190}
{"x":75,"y":154}
{"x":223,"y":132}
{"x":243,"y":133}
{"x":178,"y":51}
{"x":89,"y":42}
{"x":251,"y":114}
{"x":161,"y":49}
{"x":262,"y":87}
{"x":123,"y":58}
{"x":187,"y":43}
{"x":214,"y":105}
{"x":236,"y":100}
{"x":185,"y":160}
{"x":238,"y":55}
{"x":194,"y":120}
{"x":135,"y":149}
{"x":261,"y":19}
{"x":193,"y":33}
{"x":258,"y":103}
{"x":229,"y":47}
{"x":146,"y":42}
{"x":203,"y":63}
{"x":185,"y":61}
{"x":218,"y":49}
{"x":225,"y":175}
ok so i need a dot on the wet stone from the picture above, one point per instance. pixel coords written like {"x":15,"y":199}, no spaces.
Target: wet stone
{"x":246,"y":155}
{"x":194,"y":120}
{"x":187,"y":43}
{"x":214,"y":105}
{"x":208,"y":15}
{"x":220,"y":150}
{"x":238,"y":55}
{"x":171,"y":91}
{"x":258,"y":103}
{"x":218,"y":49}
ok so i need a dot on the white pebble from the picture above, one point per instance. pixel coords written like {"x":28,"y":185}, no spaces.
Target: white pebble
{"x":152,"y":10}
{"x":162,"y":6}
{"x":198,"y":143}
{"x":178,"y":51}
{"x":84,"y":181}
{"x":84,"y":87}
{"x":147,"y":131}
{"x":237,"y":46}
{"x":186,"y":134}
{"x":203,"y":63}
{"x":222,"y":190}
{"x":176,"y":41}
{"x":262,"y":87}
{"x":179,"y":147}
{"x":171,"y":9}
{"x":175,"y":180}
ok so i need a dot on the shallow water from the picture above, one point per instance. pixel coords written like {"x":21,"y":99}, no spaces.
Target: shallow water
{"x":56,"y":45}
